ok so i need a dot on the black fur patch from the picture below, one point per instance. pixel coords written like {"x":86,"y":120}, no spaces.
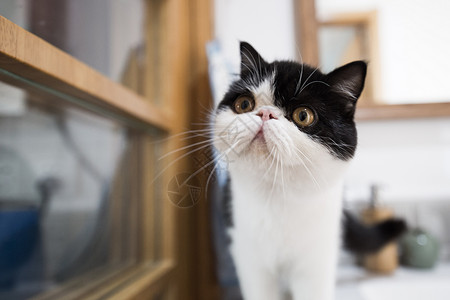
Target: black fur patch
{"x":226,"y":203}
{"x":363,"y":239}
{"x":331,"y":96}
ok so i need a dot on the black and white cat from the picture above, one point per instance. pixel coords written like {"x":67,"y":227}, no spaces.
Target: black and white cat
{"x":288,"y":132}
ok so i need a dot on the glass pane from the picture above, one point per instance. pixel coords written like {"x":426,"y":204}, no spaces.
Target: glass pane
{"x":68,"y":193}
{"x":108,"y":35}
{"x":338,"y":45}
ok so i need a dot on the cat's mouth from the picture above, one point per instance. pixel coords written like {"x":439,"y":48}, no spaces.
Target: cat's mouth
{"x":259,"y":135}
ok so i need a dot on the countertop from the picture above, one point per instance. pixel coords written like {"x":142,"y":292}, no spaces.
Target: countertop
{"x":354,"y":283}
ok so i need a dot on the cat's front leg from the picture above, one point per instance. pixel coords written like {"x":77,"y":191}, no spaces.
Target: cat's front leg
{"x":256,"y":281}
{"x":313,"y":287}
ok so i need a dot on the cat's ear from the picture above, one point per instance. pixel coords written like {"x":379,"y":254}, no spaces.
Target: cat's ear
{"x":348,"y":81}
{"x":251,"y":61}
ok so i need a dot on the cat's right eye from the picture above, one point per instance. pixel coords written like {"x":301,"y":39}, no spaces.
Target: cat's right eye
{"x":244,"y":104}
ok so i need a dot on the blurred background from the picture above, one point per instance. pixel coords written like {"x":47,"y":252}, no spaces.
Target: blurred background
{"x":103,"y":112}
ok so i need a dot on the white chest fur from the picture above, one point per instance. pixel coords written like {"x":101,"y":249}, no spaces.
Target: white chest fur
{"x":284,"y":235}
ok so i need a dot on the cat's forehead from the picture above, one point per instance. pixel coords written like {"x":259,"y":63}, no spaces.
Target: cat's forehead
{"x":281,"y":83}
{"x":263,"y":91}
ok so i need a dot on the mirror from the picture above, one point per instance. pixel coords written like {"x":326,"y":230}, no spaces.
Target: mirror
{"x":405,"y":42}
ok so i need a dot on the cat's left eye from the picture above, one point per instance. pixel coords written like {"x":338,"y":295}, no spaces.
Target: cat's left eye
{"x":303,"y":116}
{"x":244,"y":104}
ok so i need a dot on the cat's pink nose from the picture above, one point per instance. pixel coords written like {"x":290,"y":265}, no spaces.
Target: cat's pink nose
{"x":266,"y":114}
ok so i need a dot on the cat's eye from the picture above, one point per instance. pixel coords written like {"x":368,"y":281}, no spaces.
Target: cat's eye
{"x":303,"y":116}
{"x":244,"y":104}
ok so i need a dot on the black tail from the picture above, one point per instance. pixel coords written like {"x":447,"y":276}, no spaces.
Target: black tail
{"x":363,"y":239}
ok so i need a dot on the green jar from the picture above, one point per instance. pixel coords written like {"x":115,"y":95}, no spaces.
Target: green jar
{"x":419,"y":249}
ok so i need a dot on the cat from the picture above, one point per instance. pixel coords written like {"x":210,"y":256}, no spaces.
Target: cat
{"x":288,"y":134}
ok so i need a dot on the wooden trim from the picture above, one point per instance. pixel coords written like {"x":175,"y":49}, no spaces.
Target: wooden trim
{"x":205,"y":260}
{"x":120,"y":283}
{"x":176,"y":226}
{"x":306,"y":28}
{"x":142,"y":281}
{"x":82,"y":284}
{"x":368,"y":21}
{"x":32,"y":58}
{"x":349,"y":19}
{"x":147,"y":213}
{"x":145,"y":284}
{"x":403,"y":111}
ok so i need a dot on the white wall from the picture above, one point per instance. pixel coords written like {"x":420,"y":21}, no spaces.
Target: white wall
{"x":409,"y":159}
{"x":414,"y":43}
{"x":267,"y":25}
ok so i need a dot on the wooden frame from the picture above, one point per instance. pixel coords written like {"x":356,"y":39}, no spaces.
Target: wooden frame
{"x":403,"y":111}
{"x":306,"y":27}
{"x":30,"y":57}
{"x":207,"y":285}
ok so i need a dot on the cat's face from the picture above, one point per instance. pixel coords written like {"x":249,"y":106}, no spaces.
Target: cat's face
{"x":289,"y":113}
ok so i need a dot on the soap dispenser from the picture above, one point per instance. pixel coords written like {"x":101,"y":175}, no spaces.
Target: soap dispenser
{"x":386,"y":259}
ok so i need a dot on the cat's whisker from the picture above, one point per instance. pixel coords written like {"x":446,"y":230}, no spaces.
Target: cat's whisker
{"x":207,"y":111}
{"x":260,"y":66}
{"x":195,"y":131}
{"x":344,"y":147}
{"x":271,"y":164}
{"x":269,"y":155}
{"x":254,"y":65}
{"x":301,"y":73}
{"x":282,"y":180}
{"x":309,"y":171}
{"x":211,"y":174}
{"x":250,"y":60}
{"x":313,"y":167}
{"x":300,"y":54}
{"x":316,"y":81}
{"x":208,"y":141}
{"x":252,"y":71}
{"x":304,"y":155}
{"x":299,"y":82}
{"x":208,"y":164}
{"x":199,"y":135}
{"x":253,"y":62}
{"x":179,"y":158}
{"x":202,"y":124}
{"x":336,"y":143}
{"x":312,"y":73}
{"x":274,"y":180}
{"x":215,"y":166}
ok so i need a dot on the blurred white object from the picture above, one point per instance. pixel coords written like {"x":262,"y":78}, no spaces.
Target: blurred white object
{"x":220,"y":73}
{"x":12,"y":101}
{"x":356,"y":284}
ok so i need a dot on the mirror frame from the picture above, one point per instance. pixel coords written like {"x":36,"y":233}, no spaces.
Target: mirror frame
{"x":307,"y":26}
